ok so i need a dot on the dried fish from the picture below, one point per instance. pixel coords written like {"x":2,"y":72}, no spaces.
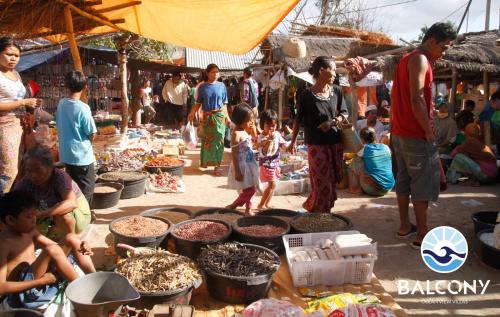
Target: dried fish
{"x":236,"y":259}
{"x":161,"y":271}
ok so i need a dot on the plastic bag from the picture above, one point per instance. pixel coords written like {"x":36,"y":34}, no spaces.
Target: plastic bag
{"x":189,"y":136}
{"x":270,"y":307}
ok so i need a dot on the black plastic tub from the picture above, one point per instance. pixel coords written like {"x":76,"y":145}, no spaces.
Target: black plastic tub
{"x":489,"y":254}
{"x":174,"y":297}
{"x":274,"y":242}
{"x":347,"y":224}
{"x":147,"y":242}
{"x":134,"y":182}
{"x":237,"y":289}
{"x":283,"y":214}
{"x":106,"y":200}
{"x":484,"y":220}
{"x":168,"y":213}
{"x":177,"y":170}
{"x":21,"y":312}
{"x":208,"y":212}
{"x":193,"y":248}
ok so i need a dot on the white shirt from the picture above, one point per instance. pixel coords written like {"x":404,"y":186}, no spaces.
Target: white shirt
{"x":177,"y":95}
{"x":379,"y":128}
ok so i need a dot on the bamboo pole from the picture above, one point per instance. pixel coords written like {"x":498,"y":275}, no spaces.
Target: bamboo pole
{"x":119,"y":6}
{"x":88,"y":15}
{"x":122,"y":65}
{"x":487,"y":124}
{"x":454,"y":83}
{"x":72,"y":40}
{"x":354,"y":101}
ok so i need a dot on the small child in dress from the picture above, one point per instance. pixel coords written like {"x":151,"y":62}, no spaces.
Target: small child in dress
{"x":270,"y":142}
{"x":243,"y":172}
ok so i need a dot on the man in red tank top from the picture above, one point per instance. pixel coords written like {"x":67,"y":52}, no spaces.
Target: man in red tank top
{"x":412,"y":136}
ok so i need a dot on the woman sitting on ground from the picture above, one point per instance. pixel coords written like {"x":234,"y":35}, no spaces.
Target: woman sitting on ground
{"x":472,"y":159}
{"x":373,"y":166}
{"x":64,"y":208}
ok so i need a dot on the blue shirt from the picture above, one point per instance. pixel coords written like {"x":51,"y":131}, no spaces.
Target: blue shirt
{"x":377,"y":161}
{"x":75,"y":125}
{"x":212,"y":96}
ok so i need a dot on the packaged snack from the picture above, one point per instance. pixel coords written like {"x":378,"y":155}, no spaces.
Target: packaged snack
{"x":327,"y":304}
{"x":362,"y":310}
{"x":270,"y":307}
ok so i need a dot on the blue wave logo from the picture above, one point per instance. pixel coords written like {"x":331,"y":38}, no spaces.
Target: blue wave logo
{"x":444,"y":249}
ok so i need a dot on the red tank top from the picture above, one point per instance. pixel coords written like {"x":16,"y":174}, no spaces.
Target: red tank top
{"x":403,"y":120}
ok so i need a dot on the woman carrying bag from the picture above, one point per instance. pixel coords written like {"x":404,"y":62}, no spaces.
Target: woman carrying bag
{"x":322,"y":110}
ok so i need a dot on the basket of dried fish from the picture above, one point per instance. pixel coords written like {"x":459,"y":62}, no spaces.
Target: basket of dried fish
{"x":161,"y":276}
{"x":139,"y":231}
{"x":238,"y":273}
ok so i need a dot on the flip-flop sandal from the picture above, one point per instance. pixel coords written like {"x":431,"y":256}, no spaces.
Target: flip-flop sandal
{"x":416,"y":245}
{"x":407,"y":235}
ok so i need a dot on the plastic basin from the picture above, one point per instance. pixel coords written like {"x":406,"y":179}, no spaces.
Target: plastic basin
{"x":101,"y":293}
{"x":107,"y":200}
{"x":147,"y":242}
{"x":484,"y":220}
{"x":489,"y":255}
{"x":274,"y":242}
{"x":237,"y":289}
{"x":20,"y":312}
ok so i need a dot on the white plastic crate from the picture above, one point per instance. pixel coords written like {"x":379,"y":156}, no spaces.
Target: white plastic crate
{"x":326,"y":272}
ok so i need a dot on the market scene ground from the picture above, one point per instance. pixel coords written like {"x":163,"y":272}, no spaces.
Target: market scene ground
{"x":377,"y":217}
{"x":251,"y":158}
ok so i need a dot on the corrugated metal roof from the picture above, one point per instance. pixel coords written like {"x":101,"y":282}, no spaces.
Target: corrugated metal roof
{"x":225,"y":61}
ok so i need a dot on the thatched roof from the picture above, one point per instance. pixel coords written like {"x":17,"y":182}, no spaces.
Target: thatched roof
{"x":340,"y":48}
{"x":474,"y":52}
{"x":337,"y":31}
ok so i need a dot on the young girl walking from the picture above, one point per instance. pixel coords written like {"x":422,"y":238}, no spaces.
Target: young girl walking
{"x":243,"y":172}
{"x":270,"y":142}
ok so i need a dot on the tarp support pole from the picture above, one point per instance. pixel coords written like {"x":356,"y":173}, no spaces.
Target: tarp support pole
{"x":72,"y":40}
{"x":354,"y":97}
{"x":453,"y":96}
{"x":486,"y":126}
{"x":122,"y":65}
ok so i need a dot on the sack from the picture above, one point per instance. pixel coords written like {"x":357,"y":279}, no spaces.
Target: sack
{"x":351,"y":142}
{"x":294,"y":47}
{"x":189,"y":136}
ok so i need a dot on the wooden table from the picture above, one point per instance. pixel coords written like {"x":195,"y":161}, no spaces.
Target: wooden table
{"x":282,"y":288}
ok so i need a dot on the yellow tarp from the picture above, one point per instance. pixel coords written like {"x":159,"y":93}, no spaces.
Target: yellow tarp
{"x":233,"y":26}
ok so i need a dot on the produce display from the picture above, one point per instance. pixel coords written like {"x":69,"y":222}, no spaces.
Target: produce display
{"x":236,"y":259}
{"x":201,"y":231}
{"x":121,"y":163}
{"x":133,"y":152}
{"x":122,"y":176}
{"x":104,"y":190}
{"x":160,"y":271}
{"x":262,"y":230}
{"x":228,"y":217}
{"x":164,"y":182}
{"x":319,"y":223}
{"x":164,"y":162}
{"x":174,"y":216}
{"x":139,"y":226}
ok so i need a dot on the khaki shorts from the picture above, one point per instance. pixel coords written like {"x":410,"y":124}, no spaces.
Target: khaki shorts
{"x":417,"y":163}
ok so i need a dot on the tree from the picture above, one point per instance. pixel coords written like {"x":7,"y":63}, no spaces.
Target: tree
{"x":352,"y":14}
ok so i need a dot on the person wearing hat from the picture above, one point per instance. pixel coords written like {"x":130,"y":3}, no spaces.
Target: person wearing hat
{"x":445,"y":128}
{"x":371,"y":121}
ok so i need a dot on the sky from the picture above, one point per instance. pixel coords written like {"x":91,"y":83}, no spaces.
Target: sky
{"x":405,"y":20}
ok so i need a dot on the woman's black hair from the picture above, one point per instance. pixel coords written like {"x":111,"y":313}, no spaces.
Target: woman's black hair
{"x":368,"y":135}
{"x":210,"y":67}
{"x":268,"y":116}
{"x":42,"y":154}
{"x":320,"y":62}
{"x":241,"y":113}
{"x":7,"y":41}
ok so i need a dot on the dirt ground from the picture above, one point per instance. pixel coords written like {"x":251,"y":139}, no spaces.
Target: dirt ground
{"x":376,"y":217}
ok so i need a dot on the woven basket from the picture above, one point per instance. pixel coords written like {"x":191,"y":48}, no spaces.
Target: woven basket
{"x":294,"y":47}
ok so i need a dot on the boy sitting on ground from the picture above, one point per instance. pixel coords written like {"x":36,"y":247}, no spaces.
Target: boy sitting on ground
{"x":30,"y":281}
